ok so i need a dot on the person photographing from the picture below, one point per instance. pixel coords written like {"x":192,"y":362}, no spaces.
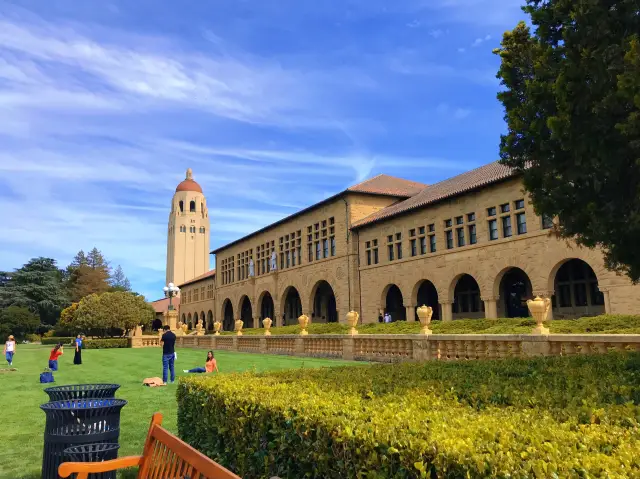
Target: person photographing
{"x":168,"y":342}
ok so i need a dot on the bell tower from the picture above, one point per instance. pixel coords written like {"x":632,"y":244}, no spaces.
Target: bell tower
{"x":188,"y":233}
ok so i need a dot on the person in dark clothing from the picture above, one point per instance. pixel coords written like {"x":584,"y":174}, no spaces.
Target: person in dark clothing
{"x":77,"y":357}
{"x":168,"y":342}
{"x":380,"y":318}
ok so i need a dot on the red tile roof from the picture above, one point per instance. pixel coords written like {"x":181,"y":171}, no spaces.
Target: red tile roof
{"x":471,"y":180}
{"x":383,"y":185}
{"x":162,"y":305}
{"x":388,"y":185}
{"x":206,"y":275}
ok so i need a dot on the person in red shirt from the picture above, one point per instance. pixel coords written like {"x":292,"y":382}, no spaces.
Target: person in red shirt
{"x":53,"y":357}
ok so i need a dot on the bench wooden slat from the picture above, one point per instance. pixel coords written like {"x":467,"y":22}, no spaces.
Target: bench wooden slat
{"x":164,"y":456}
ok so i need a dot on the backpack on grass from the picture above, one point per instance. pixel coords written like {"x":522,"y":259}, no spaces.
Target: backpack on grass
{"x":46,"y":376}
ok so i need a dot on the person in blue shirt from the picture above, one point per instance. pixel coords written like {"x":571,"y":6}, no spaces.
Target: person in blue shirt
{"x":77,"y":358}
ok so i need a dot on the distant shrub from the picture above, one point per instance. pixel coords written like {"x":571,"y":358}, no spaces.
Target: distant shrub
{"x":106,"y":343}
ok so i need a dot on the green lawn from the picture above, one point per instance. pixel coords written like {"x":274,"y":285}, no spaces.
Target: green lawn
{"x":22,"y":425}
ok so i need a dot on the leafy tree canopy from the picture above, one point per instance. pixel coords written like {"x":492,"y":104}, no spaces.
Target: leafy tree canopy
{"x":88,"y":274}
{"x":37,"y":286}
{"x":118,"y":281}
{"x":102,"y":314}
{"x":18,"y":321}
{"x":572,"y":106}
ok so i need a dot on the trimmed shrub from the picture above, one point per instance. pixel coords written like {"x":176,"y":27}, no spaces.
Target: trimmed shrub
{"x":607,"y":323}
{"x":55,"y":340}
{"x":106,"y":343}
{"x":33,"y":338}
{"x":546,"y":417}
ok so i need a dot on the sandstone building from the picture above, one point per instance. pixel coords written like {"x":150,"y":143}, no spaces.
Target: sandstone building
{"x":470,"y":247}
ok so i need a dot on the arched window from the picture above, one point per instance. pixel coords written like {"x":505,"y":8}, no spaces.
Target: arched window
{"x":181,"y":206}
{"x":192,"y":206}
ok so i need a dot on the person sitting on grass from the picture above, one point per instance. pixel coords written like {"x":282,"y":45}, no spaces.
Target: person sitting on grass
{"x":53,"y":357}
{"x":10,"y":349}
{"x":210,"y":365}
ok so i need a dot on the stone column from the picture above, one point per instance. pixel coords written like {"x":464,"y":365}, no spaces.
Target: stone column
{"x":411,"y":313}
{"x":607,"y":300}
{"x":545,"y":294}
{"x":170,"y":318}
{"x":447,"y":310}
{"x":490,"y":307}
{"x":256,"y":322}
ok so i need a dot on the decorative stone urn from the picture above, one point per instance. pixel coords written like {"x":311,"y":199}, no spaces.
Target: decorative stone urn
{"x":303,"y":321}
{"x":217,"y":326}
{"x":352,"y":321}
{"x":424,"y":315}
{"x":266,"y":322}
{"x":199,"y":329}
{"x":238,"y":328}
{"x":179,"y":330}
{"x":539,"y":309}
{"x":185,"y":328}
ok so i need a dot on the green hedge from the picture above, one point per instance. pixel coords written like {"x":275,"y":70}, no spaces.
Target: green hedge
{"x":53,"y":341}
{"x":608,"y":323}
{"x":548,"y":417}
{"x":90,"y":343}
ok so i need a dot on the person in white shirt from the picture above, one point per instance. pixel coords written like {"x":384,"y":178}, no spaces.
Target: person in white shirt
{"x":10,"y":349}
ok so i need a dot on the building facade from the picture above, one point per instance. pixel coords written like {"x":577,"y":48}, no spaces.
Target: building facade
{"x":470,"y":247}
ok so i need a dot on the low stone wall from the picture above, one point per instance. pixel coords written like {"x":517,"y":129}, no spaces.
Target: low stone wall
{"x":408,"y":347}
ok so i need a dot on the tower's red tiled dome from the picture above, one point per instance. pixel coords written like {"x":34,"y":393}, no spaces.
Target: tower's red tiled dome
{"x":188,"y":184}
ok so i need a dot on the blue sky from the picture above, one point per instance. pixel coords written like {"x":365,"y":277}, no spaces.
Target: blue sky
{"x":274,"y":104}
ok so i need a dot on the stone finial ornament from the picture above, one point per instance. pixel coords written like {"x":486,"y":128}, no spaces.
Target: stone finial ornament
{"x":238,"y":328}
{"x":352,"y":321}
{"x":539,"y":309}
{"x":424,"y":315}
{"x":303,"y":321}
{"x":217,"y":326}
{"x":267,"y":322}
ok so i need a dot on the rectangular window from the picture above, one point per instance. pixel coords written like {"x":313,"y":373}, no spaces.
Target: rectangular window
{"x":423,"y":245}
{"x":375,"y":256}
{"x":493,"y":230}
{"x":491,"y":211}
{"x":447,"y":224}
{"x":459,"y":220}
{"x":310,"y":253}
{"x":369,"y":258}
{"x":325,"y":248}
{"x":367,"y":244}
{"x":421,"y":230}
{"x":399,"y":250}
{"x":432,"y":243}
{"x":564,"y":293}
{"x":281,"y":260}
{"x":505,"y":208}
{"x":398,"y":236}
{"x":506,"y":226}
{"x":299,"y":254}
{"x":519,"y":204}
{"x":547,"y":222}
{"x":471,"y":217}
{"x":414,"y":247}
{"x":460,"y":235}
{"x":521,"y":222}
{"x":432,"y":228}
{"x":449,"y":239}
{"x":333,"y":245}
{"x":412,"y":232}
{"x":389,"y":238}
{"x":472,"y":234}
{"x":391,"y":258}
{"x":318,"y":250}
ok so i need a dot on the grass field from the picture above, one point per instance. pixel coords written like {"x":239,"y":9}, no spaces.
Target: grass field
{"x":22,"y":424}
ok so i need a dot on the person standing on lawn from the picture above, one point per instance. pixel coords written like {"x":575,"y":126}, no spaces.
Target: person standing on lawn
{"x":77,"y":358}
{"x":10,"y":349}
{"x":168,"y":342}
{"x":53,"y":357}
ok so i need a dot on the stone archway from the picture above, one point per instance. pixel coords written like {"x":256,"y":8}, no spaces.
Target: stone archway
{"x":184,"y":319}
{"x":576,"y":290}
{"x":427,"y":295}
{"x":324,"y":303}
{"x":514,"y":289}
{"x":209,"y":321}
{"x":246,"y":312}
{"x":291,"y":306}
{"x":394,"y":303}
{"x":203,"y":319}
{"x":189,"y":322}
{"x":466,"y":298}
{"x":267,"y":308}
{"x":228,"y":322}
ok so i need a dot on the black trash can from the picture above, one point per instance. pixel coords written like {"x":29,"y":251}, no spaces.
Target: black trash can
{"x":82,"y":391}
{"x":76,"y":423}
{"x":93,"y":453}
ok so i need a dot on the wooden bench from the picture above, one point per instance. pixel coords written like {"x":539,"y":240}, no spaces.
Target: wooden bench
{"x":164,"y":457}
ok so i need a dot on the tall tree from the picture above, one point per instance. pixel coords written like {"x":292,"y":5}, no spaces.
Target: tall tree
{"x":119,"y":282}
{"x":572,"y":106}
{"x":37,"y":286}
{"x":17,"y":320}
{"x":88,"y":274}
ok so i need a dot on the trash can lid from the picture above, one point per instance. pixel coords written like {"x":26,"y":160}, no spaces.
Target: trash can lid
{"x":82,"y":387}
{"x":71,"y":404}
